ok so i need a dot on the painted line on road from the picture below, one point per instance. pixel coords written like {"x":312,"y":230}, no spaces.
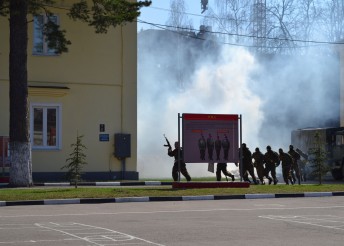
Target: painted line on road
{"x":309,"y":220}
{"x":38,"y":241}
{"x":105,"y":236}
{"x":172,"y":211}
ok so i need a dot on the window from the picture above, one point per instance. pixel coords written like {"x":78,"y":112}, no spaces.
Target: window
{"x":40,"y":44}
{"x":339,"y":140}
{"x":45,"y":126}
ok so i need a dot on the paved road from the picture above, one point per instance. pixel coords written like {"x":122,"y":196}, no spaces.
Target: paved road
{"x":283,"y":221}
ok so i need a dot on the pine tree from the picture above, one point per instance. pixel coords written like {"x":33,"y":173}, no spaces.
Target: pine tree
{"x":76,"y":161}
{"x":318,"y":158}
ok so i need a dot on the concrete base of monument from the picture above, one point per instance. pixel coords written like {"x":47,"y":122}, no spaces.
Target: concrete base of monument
{"x":194,"y":185}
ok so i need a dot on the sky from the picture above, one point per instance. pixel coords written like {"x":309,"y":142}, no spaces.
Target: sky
{"x":159,"y":10}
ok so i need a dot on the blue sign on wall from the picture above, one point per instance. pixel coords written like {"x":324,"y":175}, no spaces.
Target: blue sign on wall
{"x":104,"y":137}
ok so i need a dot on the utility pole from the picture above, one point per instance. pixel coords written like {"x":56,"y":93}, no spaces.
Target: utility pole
{"x":259,"y":25}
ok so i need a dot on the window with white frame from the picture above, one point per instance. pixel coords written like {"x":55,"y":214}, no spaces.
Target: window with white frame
{"x":40,"y":43}
{"x":45,"y":126}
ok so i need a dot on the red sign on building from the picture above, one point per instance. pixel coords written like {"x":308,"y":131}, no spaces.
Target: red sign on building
{"x":210,"y":138}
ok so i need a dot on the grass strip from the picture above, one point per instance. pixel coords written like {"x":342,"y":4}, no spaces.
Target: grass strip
{"x":23,"y":194}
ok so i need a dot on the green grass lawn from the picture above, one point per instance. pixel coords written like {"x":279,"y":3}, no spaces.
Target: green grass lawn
{"x":19,"y":194}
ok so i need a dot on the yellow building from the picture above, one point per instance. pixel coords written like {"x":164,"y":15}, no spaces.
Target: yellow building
{"x":90,"y":91}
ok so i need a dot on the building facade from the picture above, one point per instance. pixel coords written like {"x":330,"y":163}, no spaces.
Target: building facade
{"x":89,"y":91}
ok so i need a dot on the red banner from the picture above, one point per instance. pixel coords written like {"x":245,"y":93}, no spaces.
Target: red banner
{"x":210,"y":117}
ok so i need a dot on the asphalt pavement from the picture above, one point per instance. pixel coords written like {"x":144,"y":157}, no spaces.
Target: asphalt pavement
{"x":311,"y":221}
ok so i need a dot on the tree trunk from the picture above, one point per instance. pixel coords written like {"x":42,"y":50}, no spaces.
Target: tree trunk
{"x":20,"y":149}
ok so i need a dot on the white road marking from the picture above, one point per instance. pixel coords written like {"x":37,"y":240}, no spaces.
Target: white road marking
{"x":325,"y":221}
{"x":107,"y":237}
{"x":38,"y":241}
{"x":15,"y":226}
{"x":75,"y":231}
{"x":170,"y":211}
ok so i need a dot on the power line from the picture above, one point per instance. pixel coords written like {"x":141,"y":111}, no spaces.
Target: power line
{"x":241,"y":35}
{"x":232,"y":44}
{"x":199,"y":15}
{"x":213,"y":16}
{"x":194,"y":37}
{"x":222,"y":33}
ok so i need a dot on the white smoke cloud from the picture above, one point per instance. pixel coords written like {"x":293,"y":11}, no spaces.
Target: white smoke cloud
{"x":222,"y":87}
{"x":275,"y":94}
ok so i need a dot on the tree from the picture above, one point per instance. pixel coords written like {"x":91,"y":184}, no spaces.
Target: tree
{"x":100,"y":14}
{"x":75,"y":161}
{"x":333,"y":20}
{"x":308,"y":14}
{"x":274,"y":26}
{"x":233,"y":17}
{"x":318,"y":158}
{"x":283,"y":15}
{"x":178,"y":18}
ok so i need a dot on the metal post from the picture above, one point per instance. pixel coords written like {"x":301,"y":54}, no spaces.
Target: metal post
{"x":123,"y":168}
{"x":3,"y":155}
{"x":241,"y":157}
{"x":179,"y":147}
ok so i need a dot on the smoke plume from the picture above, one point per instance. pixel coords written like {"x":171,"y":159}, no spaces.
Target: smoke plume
{"x":274,"y":95}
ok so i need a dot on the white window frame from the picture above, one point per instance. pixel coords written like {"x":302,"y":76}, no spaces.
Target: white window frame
{"x":46,"y":51}
{"x":46,"y":106}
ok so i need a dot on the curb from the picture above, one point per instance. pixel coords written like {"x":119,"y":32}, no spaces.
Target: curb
{"x":138,"y":183}
{"x":166,"y":198}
